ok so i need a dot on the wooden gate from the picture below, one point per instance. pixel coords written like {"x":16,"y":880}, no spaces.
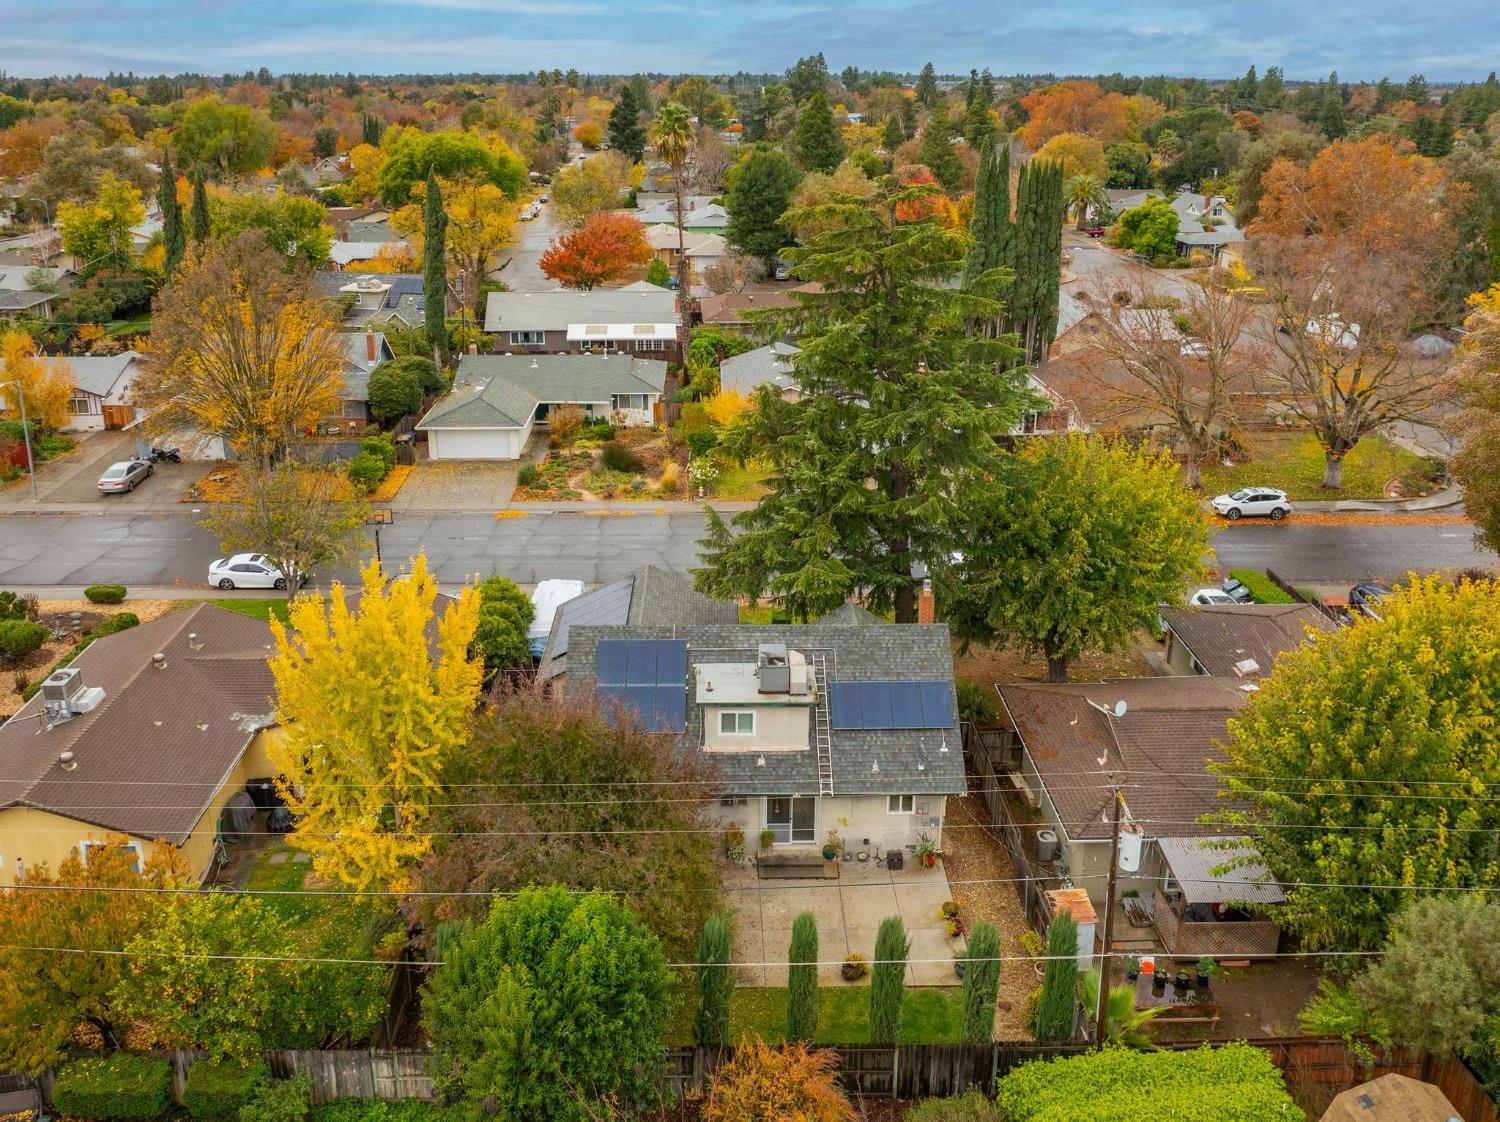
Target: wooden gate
{"x":118,"y":416}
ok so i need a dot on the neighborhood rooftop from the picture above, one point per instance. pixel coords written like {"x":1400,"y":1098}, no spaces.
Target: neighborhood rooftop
{"x":506,"y":389}
{"x":1224,"y":639}
{"x":560,"y":309}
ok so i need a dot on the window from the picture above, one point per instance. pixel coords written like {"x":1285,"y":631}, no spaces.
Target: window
{"x":599,"y":346}
{"x":85,"y":848}
{"x":81,"y":404}
{"x":1028,"y":422}
{"x":791,"y":819}
{"x":650,"y":344}
{"x":629,"y":401}
{"x":527,"y":338}
{"x":900,"y":804}
{"x":737,"y":722}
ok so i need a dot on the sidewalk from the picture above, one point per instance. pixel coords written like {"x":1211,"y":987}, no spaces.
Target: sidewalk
{"x":1450,"y":496}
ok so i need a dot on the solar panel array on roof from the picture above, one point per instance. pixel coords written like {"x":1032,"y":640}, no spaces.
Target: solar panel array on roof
{"x":648,"y":675}
{"x":891,"y":705}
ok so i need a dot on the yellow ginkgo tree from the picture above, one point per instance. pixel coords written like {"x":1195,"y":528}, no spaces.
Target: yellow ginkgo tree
{"x":374,"y":694}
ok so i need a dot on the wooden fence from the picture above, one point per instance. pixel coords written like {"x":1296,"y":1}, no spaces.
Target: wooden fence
{"x":987,"y":751}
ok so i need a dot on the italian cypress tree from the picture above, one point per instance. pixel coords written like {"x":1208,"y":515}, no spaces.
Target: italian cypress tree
{"x":1031,"y":311}
{"x":372,"y":128}
{"x":625,"y":132}
{"x":802,"y":979}
{"x":173,"y":236}
{"x":1054,"y":1013}
{"x":938,"y":152}
{"x":888,"y":981}
{"x":199,"y":215}
{"x":715,"y":985}
{"x":991,"y":228}
{"x":981,"y":984}
{"x":819,"y":146}
{"x":435,"y":270}
{"x":909,"y":117}
{"x":979,"y":124}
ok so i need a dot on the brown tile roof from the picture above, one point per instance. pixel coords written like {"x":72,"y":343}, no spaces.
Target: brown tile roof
{"x":1158,"y":748}
{"x":1221,"y":637}
{"x":150,"y":759}
{"x":1392,"y":1098}
{"x":730,"y":307}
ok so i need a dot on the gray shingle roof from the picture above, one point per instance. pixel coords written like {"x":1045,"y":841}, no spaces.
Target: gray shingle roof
{"x":1193,"y":861}
{"x":744,"y":372}
{"x":95,"y":374}
{"x":18,"y":278}
{"x":503,"y":391}
{"x":557,"y":310}
{"x":1221,"y":637}
{"x":13,"y":300}
{"x":911,"y":761}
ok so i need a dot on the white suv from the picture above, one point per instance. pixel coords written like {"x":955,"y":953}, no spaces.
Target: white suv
{"x":1252,"y":501}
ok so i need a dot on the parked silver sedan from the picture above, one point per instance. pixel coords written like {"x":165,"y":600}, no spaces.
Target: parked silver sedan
{"x":124,"y":476}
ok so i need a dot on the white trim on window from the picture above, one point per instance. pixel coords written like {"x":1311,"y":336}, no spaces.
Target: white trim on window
{"x":83,"y":405}
{"x":901,"y":804}
{"x":140,"y":854}
{"x":651,"y":344}
{"x":527,"y":338}
{"x":737,"y":722}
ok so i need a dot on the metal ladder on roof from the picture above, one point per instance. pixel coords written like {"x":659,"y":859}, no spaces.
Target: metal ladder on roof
{"x":822,"y":726}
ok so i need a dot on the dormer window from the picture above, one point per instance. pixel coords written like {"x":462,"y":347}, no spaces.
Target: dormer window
{"x":737,"y":722}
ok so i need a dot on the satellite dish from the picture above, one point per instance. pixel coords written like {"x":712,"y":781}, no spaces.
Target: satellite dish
{"x":1120,"y":708}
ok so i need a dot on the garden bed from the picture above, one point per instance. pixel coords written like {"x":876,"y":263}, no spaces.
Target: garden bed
{"x":603,"y":464}
{"x":1293,"y":462}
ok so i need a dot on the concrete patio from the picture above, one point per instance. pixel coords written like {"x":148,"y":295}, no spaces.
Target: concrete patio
{"x":849,"y":912}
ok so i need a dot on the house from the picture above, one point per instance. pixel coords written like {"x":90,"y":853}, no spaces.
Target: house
{"x":651,"y":595}
{"x":101,"y":389}
{"x":363,"y":352}
{"x":497,"y":400}
{"x":640,"y":318}
{"x":41,"y":247}
{"x":1205,"y":226}
{"x":15,"y":304}
{"x":769,"y":365}
{"x":728,"y":311}
{"x":845,"y":725}
{"x":143,"y":740}
{"x":1392,"y":1098}
{"x":703,"y":251}
{"x":1158,"y":735}
{"x":345,"y":254}
{"x":700,"y":214}
{"x":1242,"y":641}
{"x":374,"y":298}
{"x":35,"y":278}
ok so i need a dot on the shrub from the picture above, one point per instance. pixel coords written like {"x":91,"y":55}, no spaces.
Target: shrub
{"x":565,"y":424}
{"x":374,"y":1110}
{"x":702,"y":442}
{"x":217,"y":1090}
{"x":124,"y":621}
{"x":715,"y":983}
{"x":105,"y":593}
{"x":393,"y":392}
{"x":367,"y":469}
{"x":969,"y":1107}
{"x":288,"y":1100}
{"x":976,"y":703}
{"x":121,"y":1086}
{"x":981,"y":985}
{"x":599,"y":428}
{"x":888,"y":986}
{"x":20,"y":637}
{"x":617,"y":457}
{"x":13,"y":605}
{"x":528,"y":476}
{"x":789,"y":1082}
{"x":1054,"y":1015}
{"x":380,"y":444}
{"x":671,"y":478}
{"x":802,"y":979}
{"x":1262,"y":587}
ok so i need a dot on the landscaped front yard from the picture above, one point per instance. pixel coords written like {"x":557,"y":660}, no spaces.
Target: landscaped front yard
{"x":1293,"y":462}
{"x":604,"y":462}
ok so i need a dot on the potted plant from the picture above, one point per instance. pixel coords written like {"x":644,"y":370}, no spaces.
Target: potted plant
{"x":1159,"y":982}
{"x":955,"y":927}
{"x":831,"y":846}
{"x":1033,"y":945}
{"x":960,"y":963}
{"x":767,"y":839}
{"x":1133,"y":967}
{"x":1208,"y":970}
{"x":928,"y":853}
{"x":1181,"y":981}
{"x":949,"y":909}
{"x":855,"y":967}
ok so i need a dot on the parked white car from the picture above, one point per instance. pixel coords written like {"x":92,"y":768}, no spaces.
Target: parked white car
{"x":1212,"y":598}
{"x":247,"y":570}
{"x":1251,"y":502}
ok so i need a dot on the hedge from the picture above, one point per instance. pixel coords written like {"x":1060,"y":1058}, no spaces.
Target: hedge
{"x":105,"y":593}
{"x":114,"y":1087}
{"x":21,"y":637}
{"x":217,"y":1090}
{"x":123,"y":621}
{"x":1262,"y":587}
{"x":1230,"y":1083}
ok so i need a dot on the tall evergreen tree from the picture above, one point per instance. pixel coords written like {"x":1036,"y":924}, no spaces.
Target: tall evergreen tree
{"x":938,"y":152}
{"x":802,"y":979}
{"x":198,"y":218}
{"x":715,"y":985}
{"x":874,"y":464}
{"x":626,"y":133}
{"x":1331,"y":117}
{"x":435,"y":270}
{"x":819,"y":146}
{"x":757,"y":201}
{"x":991,"y":228}
{"x":926,"y":87}
{"x":895,"y":135}
{"x":173,"y":235}
{"x":372,"y":128}
{"x":1054,"y":1013}
{"x":888,"y":981}
{"x":1031,"y":311}
{"x":909,"y":117}
{"x":981,"y":985}
{"x":979,"y":123}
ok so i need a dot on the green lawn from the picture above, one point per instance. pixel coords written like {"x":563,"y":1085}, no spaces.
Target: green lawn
{"x":128,"y":326}
{"x":341,"y":924}
{"x":928,"y":1016}
{"x":255,"y":609}
{"x":740,"y":484}
{"x":1293,"y":462}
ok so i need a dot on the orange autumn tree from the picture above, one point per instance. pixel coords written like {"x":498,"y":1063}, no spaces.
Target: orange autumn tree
{"x":46,"y":386}
{"x":600,"y":250}
{"x":1081,"y":106}
{"x":938,"y":203}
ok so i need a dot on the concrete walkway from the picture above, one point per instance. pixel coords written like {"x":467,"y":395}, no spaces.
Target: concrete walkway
{"x":849,"y":912}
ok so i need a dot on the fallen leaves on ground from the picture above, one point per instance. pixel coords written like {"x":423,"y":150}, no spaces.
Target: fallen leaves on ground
{"x":222,"y":485}
{"x":391,"y":485}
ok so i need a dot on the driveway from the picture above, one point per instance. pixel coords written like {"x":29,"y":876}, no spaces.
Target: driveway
{"x":74,"y":478}
{"x":849,"y":912}
{"x":447,"y":485}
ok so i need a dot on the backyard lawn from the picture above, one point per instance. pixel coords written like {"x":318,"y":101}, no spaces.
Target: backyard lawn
{"x":928,"y":1016}
{"x":1293,"y":462}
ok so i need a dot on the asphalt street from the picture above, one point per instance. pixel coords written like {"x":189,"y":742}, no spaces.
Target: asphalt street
{"x":171,"y":550}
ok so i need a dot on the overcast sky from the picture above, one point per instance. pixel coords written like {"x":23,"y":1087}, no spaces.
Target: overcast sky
{"x":1444,"y":39}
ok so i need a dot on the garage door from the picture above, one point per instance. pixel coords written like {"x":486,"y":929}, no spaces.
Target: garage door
{"x":491,"y":444}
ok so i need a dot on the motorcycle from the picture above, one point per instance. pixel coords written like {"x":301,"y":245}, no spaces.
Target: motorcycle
{"x":163,"y":455}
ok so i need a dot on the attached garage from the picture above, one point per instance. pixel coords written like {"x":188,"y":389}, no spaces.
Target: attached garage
{"x":474,"y":444}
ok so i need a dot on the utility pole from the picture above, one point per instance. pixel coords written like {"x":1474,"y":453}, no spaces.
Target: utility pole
{"x":1116,"y":803}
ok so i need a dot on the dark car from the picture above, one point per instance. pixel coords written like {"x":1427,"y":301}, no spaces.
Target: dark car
{"x":1237,"y":591}
{"x":1365,"y":598}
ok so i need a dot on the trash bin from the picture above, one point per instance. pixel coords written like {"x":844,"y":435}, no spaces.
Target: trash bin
{"x":263,"y":793}
{"x":895,"y":858}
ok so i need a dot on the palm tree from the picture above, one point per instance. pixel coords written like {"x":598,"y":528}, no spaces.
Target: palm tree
{"x":1083,"y":192}
{"x":1124,"y":1024}
{"x":672,"y":137}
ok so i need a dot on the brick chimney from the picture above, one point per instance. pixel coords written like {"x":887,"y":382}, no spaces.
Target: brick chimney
{"x":370,"y":344}
{"x":926,"y":604}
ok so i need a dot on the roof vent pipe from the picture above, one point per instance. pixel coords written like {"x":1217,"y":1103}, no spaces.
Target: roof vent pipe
{"x":159,"y":660}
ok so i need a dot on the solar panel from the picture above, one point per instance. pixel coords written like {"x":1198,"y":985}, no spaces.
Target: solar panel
{"x":891,"y":705}
{"x":647,"y":675}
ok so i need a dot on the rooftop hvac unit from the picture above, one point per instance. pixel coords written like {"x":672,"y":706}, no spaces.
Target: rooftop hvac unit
{"x":774,"y":669}
{"x":59,"y":687}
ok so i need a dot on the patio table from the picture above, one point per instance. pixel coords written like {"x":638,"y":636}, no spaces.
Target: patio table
{"x":1192,"y":1005}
